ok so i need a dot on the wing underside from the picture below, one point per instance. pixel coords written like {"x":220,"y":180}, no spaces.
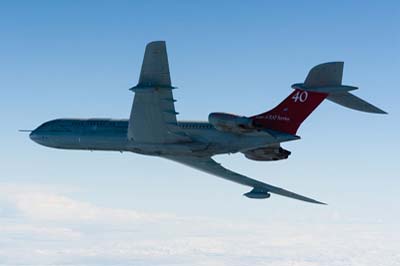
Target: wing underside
{"x":210,"y":166}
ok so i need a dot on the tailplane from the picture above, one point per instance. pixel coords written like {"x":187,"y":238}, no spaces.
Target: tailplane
{"x":324,"y":81}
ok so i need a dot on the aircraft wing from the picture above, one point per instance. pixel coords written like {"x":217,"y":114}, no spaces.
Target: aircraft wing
{"x":210,"y":166}
{"x":153,"y":115}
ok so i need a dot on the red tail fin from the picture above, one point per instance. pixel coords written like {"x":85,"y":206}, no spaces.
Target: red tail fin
{"x":290,"y":113}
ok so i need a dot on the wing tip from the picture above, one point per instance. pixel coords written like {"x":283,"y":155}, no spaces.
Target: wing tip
{"x":289,"y":194}
{"x":311,"y":200}
{"x":156,"y":43}
{"x":319,"y":202}
{"x":382,"y":112}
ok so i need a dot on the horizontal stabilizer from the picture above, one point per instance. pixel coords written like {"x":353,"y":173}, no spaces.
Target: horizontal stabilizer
{"x":325,"y":89}
{"x":324,"y":75}
{"x":351,"y":101}
{"x":327,"y":78}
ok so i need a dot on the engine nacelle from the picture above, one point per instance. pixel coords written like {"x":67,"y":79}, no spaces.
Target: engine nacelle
{"x":230,"y":122}
{"x":267,"y":154}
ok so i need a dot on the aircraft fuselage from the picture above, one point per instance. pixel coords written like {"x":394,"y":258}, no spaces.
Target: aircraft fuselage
{"x":111,"y":135}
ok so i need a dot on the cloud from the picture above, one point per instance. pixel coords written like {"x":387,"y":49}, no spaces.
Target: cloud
{"x":40,"y":203}
{"x":42,"y":226}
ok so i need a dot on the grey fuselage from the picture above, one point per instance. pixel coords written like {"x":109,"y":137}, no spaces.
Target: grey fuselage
{"x":111,"y":135}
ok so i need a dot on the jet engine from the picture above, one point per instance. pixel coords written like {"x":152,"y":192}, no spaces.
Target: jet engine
{"x":267,"y":154}
{"x":230,"y":122}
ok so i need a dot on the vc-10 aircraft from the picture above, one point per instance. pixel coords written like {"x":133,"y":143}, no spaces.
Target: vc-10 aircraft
{"x":153,"y":129}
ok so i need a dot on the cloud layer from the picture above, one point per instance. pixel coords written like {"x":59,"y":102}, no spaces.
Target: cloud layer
{"x":41,"y":227}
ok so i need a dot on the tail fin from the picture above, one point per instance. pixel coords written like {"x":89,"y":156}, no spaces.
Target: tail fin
{"x":324,"y":81}
{"x":289,"y":114}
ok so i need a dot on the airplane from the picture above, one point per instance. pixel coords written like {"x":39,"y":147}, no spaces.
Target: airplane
{"x":153,"y":128}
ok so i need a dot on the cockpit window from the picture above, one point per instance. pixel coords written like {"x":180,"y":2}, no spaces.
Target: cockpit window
{"x":54,"y":126}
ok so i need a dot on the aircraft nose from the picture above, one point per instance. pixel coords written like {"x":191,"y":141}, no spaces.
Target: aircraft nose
{"x":33,"y":135}
{"x":38,"y":137}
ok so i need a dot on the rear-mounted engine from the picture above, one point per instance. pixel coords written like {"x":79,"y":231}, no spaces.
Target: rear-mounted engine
{"x":230,"y":122}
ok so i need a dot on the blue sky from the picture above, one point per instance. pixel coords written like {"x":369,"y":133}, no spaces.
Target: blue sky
{"x":78,"y":59}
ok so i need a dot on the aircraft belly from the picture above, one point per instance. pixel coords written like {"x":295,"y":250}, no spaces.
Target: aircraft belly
{"x":103,"y":143}
{"x":181,"y":149}
{"x":226,"y":142}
